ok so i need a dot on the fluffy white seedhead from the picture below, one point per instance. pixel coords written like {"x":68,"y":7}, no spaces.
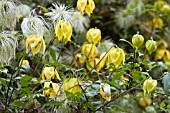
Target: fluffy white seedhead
{"x":8,"y":14}
{"x":7,"y":47}
{"x":60,"y":12}
{"x":34,"y":25}
{"x":105,"y":45}
{"x":23,"y":10}
{"x":125,"y":19}
{"x":79,"y":22}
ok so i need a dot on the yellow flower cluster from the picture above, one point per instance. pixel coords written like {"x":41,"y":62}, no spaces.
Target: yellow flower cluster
{"x":162,"y":52}
{"x":96,"y":60}
{"x":49,"y":73}
{"x":86,"y":5}
{"x":149,"y":86}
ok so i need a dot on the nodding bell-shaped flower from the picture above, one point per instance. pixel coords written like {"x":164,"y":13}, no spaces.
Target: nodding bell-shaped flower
{"x":144,"y":102}
{"x":72,"y":85}
{"x":36,"y":42}
{"x":78,"y":60}
{"x":63,"y":31}
{"x":93,"y":35}
{"x":90,"y":50}
{"x":52,"y":91}
{"x":137,"y":40}
{"x":151,"y":46}
{"x":149,"y":86}
{"x":49,"y":73}
{"x":159,"y":4}
{"x":157,"y":23}
{"x":115,"y":56}
{"x":24,"y":62}
{"x":165,"y":9}
{"x":86,"y":5}
{"x":105,"y":91}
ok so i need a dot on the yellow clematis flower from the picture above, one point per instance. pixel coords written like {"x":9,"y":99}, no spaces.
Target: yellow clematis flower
{"x":63,"y":31}
{"x":86,"y":5}
{"x":78,"y":60}
{"x":137,"y":40}
{"x":162,"y":44}
{"x":159,"y":4}
{"x":90,"y":50}
{"x":72,"y":85}
{"x":105,"y":91}
{"x":36,"y":42}
{"x":52,"y":91}
{"x":93,"y":35}
{"x":49,"y":73}
{"x":160,"y":53}
{"x":149,"y":86}
{"x":144,"y":102}
{"x":24,"y":62}
{"x":115,"y":56}
{"x":157,"y":23}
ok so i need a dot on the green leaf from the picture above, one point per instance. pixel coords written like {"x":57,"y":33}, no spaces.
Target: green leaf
{"x":43,"y":8}
{"x":53,"y":103}
{"x":2,"y":80}
{"x":26,"y":78}
{"x":137,"y":75}
{"x":117,"y":75}
{"x":52,"y":53}
{"x":166,"y":82}
{"x":18,"y":103}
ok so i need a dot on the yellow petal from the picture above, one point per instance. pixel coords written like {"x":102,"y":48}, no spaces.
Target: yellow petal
{"x":81,"y":4}
{"x":47,"y":91}
{"x":57,"y":75}
{"x":90,"y":7}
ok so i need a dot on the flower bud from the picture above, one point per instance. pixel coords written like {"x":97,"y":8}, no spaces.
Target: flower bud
{"x":90,"y":50}
{"x":115,"y":56}
{"x":149,"y":86}
{"x":151,"y":46}
{"x":93,"y":35}
{"x":86,"y":5}
{"x":165,"y":9}
{"x":49,"y":73}
{"x":63,"y":31}
{"x":105,"y":91}
{"x":72,"y":85}
{"x":137,"y":40}
{"x":36,"y":42}
{"x":144,"y":102}
{"x":78,"y":60}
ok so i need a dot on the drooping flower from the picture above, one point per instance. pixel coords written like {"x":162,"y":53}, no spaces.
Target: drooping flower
{"x":60,"y":12}
{"x":105,"y":91}
{"x":72,"y":85}
{"x":157,"y":23}
{"x":137,"y":40}
{"x":159,"y":4}
{"x":36,"y":42}
{"x":151,"y":46}
{"x":78,"y":60}
{"x":115,"y":56}
{"x":149,"y":86}
{"x":34,"y":25}
{"x":165,"y":9}
{"x":24,"y":62}
{"x":86,"y":5}
{"x":93,"y":35}
{"x":7,"y":47}
{"x":90,"y":50}
{"x":49,"y":73}
{"x":63,"y":31}
{"x":52,"y":91}
{"x":144,"y":102}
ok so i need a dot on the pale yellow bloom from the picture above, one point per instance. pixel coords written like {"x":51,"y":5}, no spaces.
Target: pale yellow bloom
{"x":90,"y":50}
{"x":49,"y":73}
{"x":52,"y":91}
{"x":93,"y":35}
{"x":78,"y":60}
{"x":86,"y":5}
{"x":151,"y":46}
{"x":137,"y":40}
{"x":144,"y":102}
{"x":159,"y":4}
{"x":162,"y":44}
{"x":149,"y":86}
{"x":24,"y":62}
{"x":36,"y":42}
{"x":115,"y":56}
{"x":105,"y":91}
{"x":72,"y":85}
{"x":63,"y":31}
{"x":157,"y":23}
